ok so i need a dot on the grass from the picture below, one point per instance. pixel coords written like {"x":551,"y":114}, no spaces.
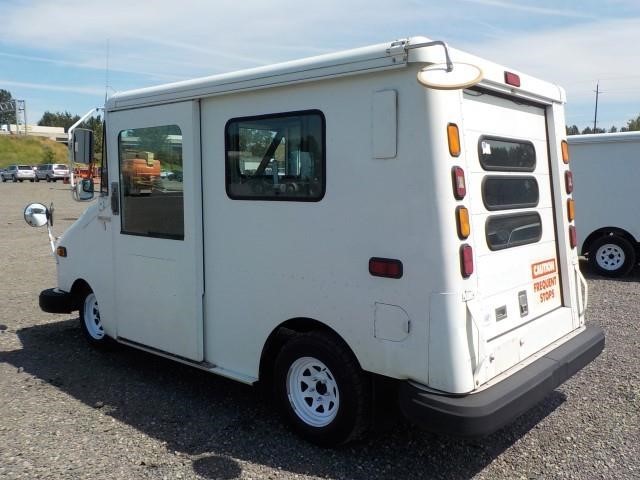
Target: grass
{"x":30,"y":151}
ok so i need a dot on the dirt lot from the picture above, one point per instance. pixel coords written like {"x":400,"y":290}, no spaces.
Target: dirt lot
{"x":67,"y":411}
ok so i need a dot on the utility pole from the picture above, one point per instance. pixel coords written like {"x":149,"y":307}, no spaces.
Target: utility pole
{"x":18,"y":106}
{"x":595,"y":116}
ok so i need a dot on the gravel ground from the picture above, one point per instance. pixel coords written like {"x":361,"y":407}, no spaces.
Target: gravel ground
{"x":69,"y":412}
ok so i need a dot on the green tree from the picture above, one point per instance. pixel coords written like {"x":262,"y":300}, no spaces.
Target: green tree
{"x":613,"y":129}
{"x":48,"y":155}
{"x":634,"y":124}
{"x":58,"y":119}
{"x":573,"y":130}
{"x":7,"y":109}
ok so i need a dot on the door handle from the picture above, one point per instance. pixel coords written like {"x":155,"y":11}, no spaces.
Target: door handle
{"x":115,"y":198}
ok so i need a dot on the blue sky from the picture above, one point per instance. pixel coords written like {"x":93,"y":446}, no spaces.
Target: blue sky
{"x":53,"y":53}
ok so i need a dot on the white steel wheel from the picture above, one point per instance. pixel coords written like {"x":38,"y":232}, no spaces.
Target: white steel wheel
{"x":90,"y":321}
{"x":320,"y":390}
{"x":313,"y":392}
{"x":612,"y":256}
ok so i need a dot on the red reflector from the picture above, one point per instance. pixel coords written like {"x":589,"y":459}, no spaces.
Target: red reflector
{"x":511,"y":79}
{"x":573,"y":238}
{"x":385,"y":267}
{"x":466,"y":260}
{"x":568,"y":181}
{"x":459,"y":184}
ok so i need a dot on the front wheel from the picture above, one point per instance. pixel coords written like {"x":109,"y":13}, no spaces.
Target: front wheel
{"x":320,"y":389}
{"x":612,"y":256}
{"x":90,"y":321}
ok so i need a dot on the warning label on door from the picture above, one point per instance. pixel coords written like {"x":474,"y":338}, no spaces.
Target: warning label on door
{"x":545,"y":281}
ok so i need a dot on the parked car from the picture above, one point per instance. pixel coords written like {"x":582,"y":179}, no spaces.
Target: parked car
{"x":18,"y":172}
{"x":51,"y":172}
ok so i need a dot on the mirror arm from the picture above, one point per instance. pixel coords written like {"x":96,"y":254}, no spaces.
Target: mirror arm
{"x":52,"y":240}
{"x":431,"y":44}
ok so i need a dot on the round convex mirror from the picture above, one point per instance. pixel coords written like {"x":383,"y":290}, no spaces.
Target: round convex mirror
{"x":36,"y":215}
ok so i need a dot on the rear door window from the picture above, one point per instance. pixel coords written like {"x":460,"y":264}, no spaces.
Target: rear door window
{"x":506,"y":193}
{"x":504,"y":231}
{"x":506,"y":155}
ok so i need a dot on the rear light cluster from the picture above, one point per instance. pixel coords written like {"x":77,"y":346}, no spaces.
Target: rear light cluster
{"x":571,"y":206}
{"x":459,"y":193}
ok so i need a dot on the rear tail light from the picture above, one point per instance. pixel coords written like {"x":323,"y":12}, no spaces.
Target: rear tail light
{"x":466,"y":260}
{"x":61,"y":251}
{"x":571,"y":209}
{"x":568,"y":181}
{"x":565,"y":151}
{"x":573,"y":238}
{"x":385,"y":267}
{"x":462,"y":219}
{"x":453,"y":136}
{"x":459,"y":184}
{"x":511,"y":79}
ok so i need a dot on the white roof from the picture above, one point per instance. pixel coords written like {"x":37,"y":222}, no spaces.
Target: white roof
{"x":383,"y":56}
{"x":604,"y":138}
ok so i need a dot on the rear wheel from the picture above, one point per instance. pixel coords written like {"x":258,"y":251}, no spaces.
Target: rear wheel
{"x":48,"y":179}
{"x":37,"y":179}
{"x":90,"y":321}
{"x":14,"y":179}
{"x":612,"y":256}
{"x":320,"y":389}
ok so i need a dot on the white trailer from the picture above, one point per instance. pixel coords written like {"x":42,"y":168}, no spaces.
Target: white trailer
{"x":606,"y":169}
{"x":380,"y":216}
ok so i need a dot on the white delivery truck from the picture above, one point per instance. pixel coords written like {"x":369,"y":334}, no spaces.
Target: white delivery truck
{"x":606,"y":170}
{"x":392,"y":215}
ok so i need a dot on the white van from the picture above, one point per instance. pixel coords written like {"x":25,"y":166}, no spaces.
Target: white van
{"x":606,"y":170}
{"x":393,"y":215}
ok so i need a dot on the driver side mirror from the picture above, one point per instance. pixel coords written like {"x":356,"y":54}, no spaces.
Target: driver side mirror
{"x":82,"y":152}
{"x":84,"y":189}
{"x":82,"y":146}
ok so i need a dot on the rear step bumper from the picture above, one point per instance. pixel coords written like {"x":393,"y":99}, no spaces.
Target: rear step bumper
{"x":482,"y":413}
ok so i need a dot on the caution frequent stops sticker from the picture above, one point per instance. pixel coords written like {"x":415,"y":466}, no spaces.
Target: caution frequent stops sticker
{"x":545,"y":280}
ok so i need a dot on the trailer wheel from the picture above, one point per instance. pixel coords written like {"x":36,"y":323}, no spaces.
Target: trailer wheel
{"x":90,"y":322}
{"x":612,"y":256}
{"x":320,"y":389}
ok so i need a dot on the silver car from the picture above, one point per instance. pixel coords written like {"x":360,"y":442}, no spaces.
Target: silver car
{"x":18,"y":173}
{"x":52,"y":172}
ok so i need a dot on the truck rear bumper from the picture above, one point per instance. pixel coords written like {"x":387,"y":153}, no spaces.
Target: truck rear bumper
{"x":53,"y":300}
{"x":482,"y":413}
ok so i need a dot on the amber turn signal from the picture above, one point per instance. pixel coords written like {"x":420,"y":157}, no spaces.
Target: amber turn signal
{"x":565,"y":151}
{"x":462,"y":219}
{"x":453,"y":135}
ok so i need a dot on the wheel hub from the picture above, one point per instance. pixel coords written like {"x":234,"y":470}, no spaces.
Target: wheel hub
{"x":313,"y":391}
{"x":610,"y":257}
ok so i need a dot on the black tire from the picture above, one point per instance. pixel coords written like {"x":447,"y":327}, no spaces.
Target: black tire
{"x":48,"y":179}
{"x":4,"y":179}
{"x":21,"y":180}
{"x":612,"y":256}
{"x":31,"y":180}
{"x":353,"y":401}
{"x":37,"y":179}
{"x":14,"y":179}
{"x":90,"y":326}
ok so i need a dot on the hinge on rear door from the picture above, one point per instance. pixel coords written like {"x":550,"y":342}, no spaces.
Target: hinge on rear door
{"x":398,"y":48}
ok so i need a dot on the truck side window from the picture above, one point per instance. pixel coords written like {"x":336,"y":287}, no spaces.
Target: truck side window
{"x":150,"y":161}
{"x":276,"y":157}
